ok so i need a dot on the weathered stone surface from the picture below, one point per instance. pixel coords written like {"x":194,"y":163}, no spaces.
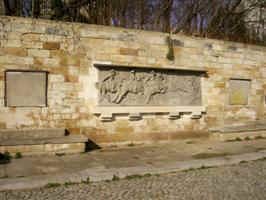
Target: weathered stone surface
{"x":239,"y":90}
{"x":26,"y":89}
{"x":69,"y":52}
{"x":11,"y":134}
{"x":51,"y":45}
{"x":131,"y":86}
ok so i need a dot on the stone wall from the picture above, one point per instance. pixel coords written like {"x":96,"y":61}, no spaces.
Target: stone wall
{"x":70,"y":53}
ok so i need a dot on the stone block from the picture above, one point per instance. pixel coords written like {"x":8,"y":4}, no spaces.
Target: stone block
{"x":56,"y":78}
{"x":30,"y":134}
{"x":15,"y":51}
{"x":30,"y":37}
{"x":39,"y":53}
{"x":32,"y":44}
{"x":51,"y":45}
{"x":13,"y":43}
{"x":47,"y":62}
{"x":16,"y":60}
{"x":26,"y":89}
{"x":239,"y":92}
{"x":128,"y":51}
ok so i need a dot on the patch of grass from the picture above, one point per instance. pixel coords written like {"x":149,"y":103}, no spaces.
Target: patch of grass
{"x":189,"y":142}
{"x":3,"y":177}
{"x":18,"y":155}
{"x":170,"y":55}
{"x":189,"y":169}
{"x":87,"y":181}
{"x":260,"y":149}
{"x":243,"y":161}
{"x":115,"y":178}
{"x":209,"y":155}
{"x":235,"y":140}
{"x":259,"y":137}
{"x":70,"y":183}
{"x":247,"y":138}
{"x":261,"y":159}
{"x":52,"y":185}
{"x":206,"y":167}
{"x":200,"y":168}
{"x":137,"y":176}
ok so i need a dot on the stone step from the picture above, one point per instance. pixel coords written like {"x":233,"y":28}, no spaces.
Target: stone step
{"x":259,"y":125}
{"x":43,"y":146}
{"x":249,"y":130}
{"x":38,"y":141}
{"x":247,"y":135}
{"x":41,"y":141}
{"x":9,"y":134}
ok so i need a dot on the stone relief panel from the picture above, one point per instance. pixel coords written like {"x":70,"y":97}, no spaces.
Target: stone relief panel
{"x":120,"y":86}
{"x":239,"y":91}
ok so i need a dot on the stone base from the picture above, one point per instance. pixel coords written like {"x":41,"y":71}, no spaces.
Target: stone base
{"x":241,"y":135}
{"x":251,"y":130}
{"x":44,"y":149}
{"x":41,"y":141}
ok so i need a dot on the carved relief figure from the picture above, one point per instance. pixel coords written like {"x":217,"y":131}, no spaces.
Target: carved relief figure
{"x":128,"y":86}
{"x":148,"y":87}
{"x":154,"y":85}
{"x":109,"y":85}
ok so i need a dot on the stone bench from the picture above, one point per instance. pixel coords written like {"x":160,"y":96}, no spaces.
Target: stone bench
{"x":250,"y":130}
{"x":41,"y":141}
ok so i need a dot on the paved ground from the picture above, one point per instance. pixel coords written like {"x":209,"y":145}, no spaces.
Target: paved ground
{"x":246,"y":181}
{"x":104,"y":164}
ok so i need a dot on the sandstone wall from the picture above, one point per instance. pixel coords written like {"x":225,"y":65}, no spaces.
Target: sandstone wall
{"x":69,"y":52}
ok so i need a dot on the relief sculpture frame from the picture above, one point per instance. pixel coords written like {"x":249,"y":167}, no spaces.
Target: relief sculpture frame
{"x":120,"y":86}
{"x":138,"y":90}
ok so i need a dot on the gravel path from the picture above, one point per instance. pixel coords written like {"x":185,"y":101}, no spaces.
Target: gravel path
{"x":246,"y":181}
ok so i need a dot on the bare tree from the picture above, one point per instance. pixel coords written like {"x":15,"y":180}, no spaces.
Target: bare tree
{"x":238,"y":20}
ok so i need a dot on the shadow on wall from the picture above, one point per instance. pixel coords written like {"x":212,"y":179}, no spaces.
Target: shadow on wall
{"x":91,"y":146}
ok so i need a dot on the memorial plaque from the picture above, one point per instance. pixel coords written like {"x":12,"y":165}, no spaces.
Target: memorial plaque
{"x":124,"y":86}
{"x":26,"y":89}
{"x":239,"y":90}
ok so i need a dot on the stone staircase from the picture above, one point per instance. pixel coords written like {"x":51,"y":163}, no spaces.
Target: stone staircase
{"x":41,"y":141}
{"x":250,"y":130}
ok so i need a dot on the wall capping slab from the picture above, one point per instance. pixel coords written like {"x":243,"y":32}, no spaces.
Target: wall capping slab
{"x":172,"y":67}
{"x":134,"y":112}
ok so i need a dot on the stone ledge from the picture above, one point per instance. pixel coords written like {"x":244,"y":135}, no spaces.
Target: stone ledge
{"x":39,"y":141}
{"x":134,"y":112}
{"x":146,"y":109}
{"x":173,"y":67}
{"x":45,"y":149}
{"x":240,"y":135}
{"x":250,"y":126}
{"x":15,"y":134}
